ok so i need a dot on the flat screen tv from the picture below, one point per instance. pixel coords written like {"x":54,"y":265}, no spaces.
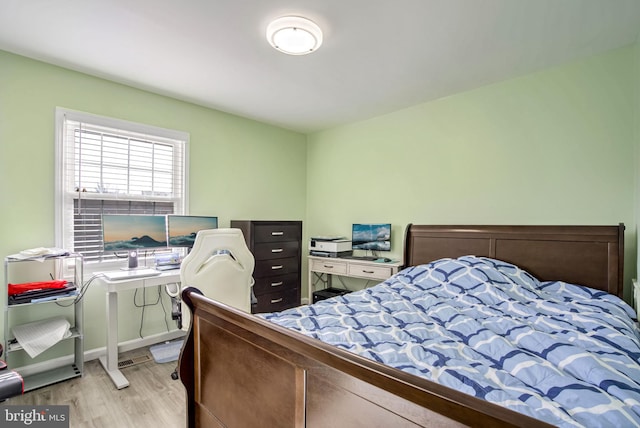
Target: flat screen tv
{"x":374,"y":237}
{"x":182,"y":229}
{"x":131,"y":233}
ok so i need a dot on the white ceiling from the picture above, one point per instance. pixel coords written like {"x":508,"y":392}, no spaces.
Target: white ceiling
{"x":378,"y":56}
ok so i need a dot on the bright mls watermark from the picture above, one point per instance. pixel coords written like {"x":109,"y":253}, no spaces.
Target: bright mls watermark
{"x":34,"y":416}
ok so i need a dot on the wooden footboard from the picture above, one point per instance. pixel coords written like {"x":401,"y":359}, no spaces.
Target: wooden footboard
{"x":242,"y":371}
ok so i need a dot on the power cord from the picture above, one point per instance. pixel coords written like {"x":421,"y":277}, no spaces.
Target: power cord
{"x":83,"y":289}
{"x":145,"y":304}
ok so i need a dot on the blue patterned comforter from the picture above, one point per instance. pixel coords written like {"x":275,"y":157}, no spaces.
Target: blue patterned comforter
{"x":562,"y":353}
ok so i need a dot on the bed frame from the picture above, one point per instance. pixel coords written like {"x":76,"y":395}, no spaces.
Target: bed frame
{"x":240,"y":370}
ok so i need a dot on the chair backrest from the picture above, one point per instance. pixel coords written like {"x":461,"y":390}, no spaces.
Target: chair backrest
{"x":221,"y":266}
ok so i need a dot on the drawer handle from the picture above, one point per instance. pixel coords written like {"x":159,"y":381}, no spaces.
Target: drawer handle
{"x":367,"y":271}
{"x":276,"y":300}
{"x":277,"y":284}
{"x":328,"y":266}
{"x":276,"y":267}
{"x":277,"y":233}
{"x":277,"y":250}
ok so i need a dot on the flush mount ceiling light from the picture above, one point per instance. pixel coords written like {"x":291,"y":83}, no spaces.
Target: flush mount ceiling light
{"x":294,"y":35}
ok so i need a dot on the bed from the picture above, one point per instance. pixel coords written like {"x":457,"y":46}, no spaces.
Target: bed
{"x":244,"y":370}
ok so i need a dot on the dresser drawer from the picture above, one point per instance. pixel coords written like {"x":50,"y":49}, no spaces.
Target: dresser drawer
{"x":329,"y":266}
{"x":276,"y":283}
{"x":274,"y":302}
{"x":276,"y":233}
{"x":276,"y":250}
{"x":369,"y":272}
{"x":276,"y":267}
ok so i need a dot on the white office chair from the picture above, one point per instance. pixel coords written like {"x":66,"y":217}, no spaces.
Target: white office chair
{"x":221,"y":266}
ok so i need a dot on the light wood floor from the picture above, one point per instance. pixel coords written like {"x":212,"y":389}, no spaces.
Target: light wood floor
{"x":152,"y":399}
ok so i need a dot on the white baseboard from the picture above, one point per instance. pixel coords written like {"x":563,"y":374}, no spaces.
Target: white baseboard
{"x":130,"y":345}
{"x":96,"y":353}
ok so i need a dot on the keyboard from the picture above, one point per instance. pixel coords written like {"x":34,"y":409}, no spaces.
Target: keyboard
{"x":119,"y":275}
{"x":366,"y":258}
{"x":167,"y":267}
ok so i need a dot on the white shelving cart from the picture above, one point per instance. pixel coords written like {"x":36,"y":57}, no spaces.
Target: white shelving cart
{"x":65,"y":359}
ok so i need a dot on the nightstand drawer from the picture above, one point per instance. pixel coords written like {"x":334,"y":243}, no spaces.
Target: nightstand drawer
{"x":276,"y":233}
{"x":368,"y":271}
{"x":276,"y":250}
{"x":273,"y":284}
{"x":329,"y":266}
{"x":276,"y":267}
{"x":274,"y":302}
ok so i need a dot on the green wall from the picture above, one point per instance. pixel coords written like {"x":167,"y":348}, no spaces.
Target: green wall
{"x":239,"y":169}
{"x":554,"y":147}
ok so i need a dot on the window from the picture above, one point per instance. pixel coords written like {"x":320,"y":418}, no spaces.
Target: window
{"x":110,"y":166}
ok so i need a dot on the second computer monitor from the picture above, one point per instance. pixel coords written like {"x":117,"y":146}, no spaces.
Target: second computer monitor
{"x":374,"y":237}
{"x":182,"y":229}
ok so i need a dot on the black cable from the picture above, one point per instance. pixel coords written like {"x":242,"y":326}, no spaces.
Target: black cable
{"x":145,"y":304}
{"x":144,"y":299}
{"x":141,"y":317}
{"x":83,"y":289}
{"x":166,"y":323}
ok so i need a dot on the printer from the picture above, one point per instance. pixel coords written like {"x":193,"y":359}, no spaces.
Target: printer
{"x":330,"y":246}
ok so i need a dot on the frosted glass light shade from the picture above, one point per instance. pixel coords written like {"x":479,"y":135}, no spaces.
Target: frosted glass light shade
{"x":294,"y":35}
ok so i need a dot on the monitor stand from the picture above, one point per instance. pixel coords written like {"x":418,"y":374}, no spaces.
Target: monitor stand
{"x":132,"y":260}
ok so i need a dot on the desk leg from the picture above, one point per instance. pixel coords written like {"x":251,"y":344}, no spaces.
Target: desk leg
{"x":110,"y":361}
{"x":310,"y":284}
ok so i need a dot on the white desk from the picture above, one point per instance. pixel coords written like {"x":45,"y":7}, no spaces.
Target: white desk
{"x":350,"y":268}
{"x":110,"y":360}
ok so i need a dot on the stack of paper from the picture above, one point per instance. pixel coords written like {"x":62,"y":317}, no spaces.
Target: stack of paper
{"x":37,"y":337}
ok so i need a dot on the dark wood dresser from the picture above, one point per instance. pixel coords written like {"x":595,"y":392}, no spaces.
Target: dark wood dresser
{"x":277,"y":249}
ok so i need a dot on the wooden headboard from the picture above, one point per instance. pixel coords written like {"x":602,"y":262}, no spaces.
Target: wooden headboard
{"x":585,"y":255}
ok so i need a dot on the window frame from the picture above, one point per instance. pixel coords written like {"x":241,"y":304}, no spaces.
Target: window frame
{"x":65,"y":180}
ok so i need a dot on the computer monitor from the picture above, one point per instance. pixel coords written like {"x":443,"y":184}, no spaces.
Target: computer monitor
{"x":182,"y":229}
{"x":131,"y":233}
{"x":373,"y":236}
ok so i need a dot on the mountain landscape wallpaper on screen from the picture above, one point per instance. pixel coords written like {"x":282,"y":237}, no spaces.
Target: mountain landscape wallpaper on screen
{"x":127,"y":232}
{"x":375,"y":237}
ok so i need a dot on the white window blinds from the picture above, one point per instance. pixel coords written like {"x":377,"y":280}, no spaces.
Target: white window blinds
{"x":108,"y":166}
